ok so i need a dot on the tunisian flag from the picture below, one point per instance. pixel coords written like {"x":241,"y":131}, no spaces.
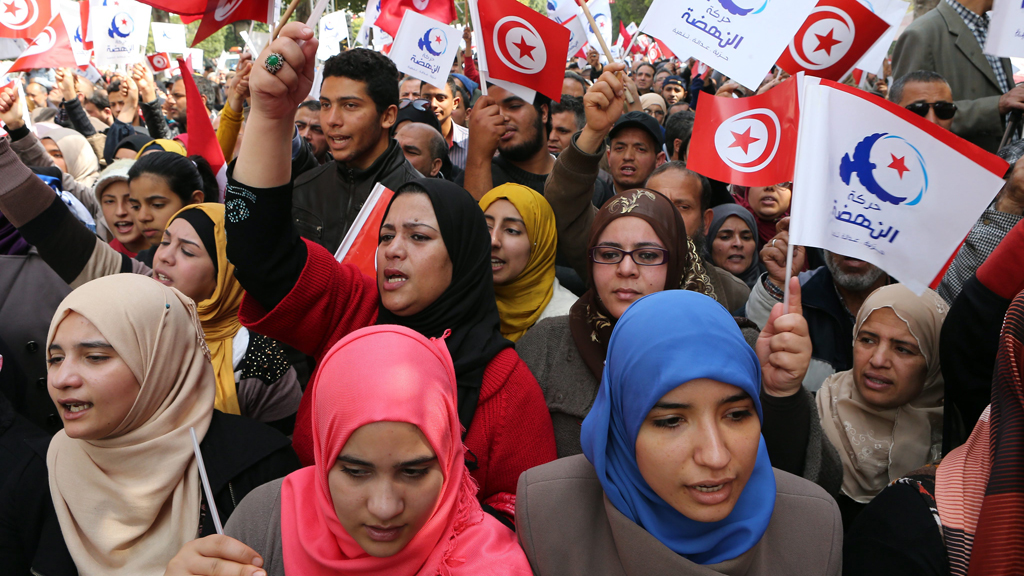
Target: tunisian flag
{"x":832,"y":39}
{"x":522,"y":46}
{"x":50,"y":49}
{"x":746,"y":141}
{"x":181,"y":7}
{"x":23,"y":18}
{"x":159,"y":62}
{"x":220,"y":13}
{"x":391,"y":12}
{"x":876,"y":182}
{"x":202,"y":139}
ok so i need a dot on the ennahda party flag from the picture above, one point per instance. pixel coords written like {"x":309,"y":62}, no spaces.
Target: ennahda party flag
{"x":746,"y":141}
{"x":876,"y":182}
{"x":50,"y":49}
{"x":24,"y":18}
{"x":391,"y":12}
{"x":220,"y":13}
{"x":520,"y":46}
{"x":832,"y":39}
{"x":425,"y":48}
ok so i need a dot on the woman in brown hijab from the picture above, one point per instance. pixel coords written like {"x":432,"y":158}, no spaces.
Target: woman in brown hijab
{"x":638,"y":246}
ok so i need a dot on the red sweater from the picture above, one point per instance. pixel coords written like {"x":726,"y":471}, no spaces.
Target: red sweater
{"x":511,"y":430}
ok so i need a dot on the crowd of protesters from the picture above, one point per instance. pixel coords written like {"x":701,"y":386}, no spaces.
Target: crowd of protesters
{"x":573,"y":357}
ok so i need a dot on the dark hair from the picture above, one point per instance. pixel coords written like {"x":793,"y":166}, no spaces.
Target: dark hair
{"x":453,"y":87}
{"x":926,"y":76}
{"x":206,"y":89}
{"x":184,"y":175}
{"x":313,"y":105}
{"x":705,"y":184}
{"x":114,"y":86}
{"x":438,"y":147}
{"x":99,"y":99}
{"x":572,"y":104}
{"x":372,"y":68}
{"x":642,"y":64}
{"x":578,"y":78}
{"x":679,"y":126}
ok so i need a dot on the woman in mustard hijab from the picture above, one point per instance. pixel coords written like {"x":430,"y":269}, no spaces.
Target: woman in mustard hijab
{"x":523,"y":241}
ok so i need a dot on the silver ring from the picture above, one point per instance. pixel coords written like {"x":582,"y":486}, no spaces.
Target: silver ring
{"x":273,"y":62}
{"x":773,"y":242}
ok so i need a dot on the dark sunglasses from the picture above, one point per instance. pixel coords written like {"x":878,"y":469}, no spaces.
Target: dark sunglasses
{"x":943,"y":110}
{"x":419,"y":104}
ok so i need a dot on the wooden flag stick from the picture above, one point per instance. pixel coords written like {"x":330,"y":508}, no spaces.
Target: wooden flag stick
{"x":284,"y":19}
{"x":604,"y":45}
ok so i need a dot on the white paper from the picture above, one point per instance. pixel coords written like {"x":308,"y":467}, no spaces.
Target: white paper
{"x":333,"y":29}
{"x":197,"y":58}
{"x":122,"y":29}
{"x":425,"y":48}
{"x":169,"y":38}
{"x":740,"y":38}
{"x":1006,"y":30}
{"x":577,"y":36}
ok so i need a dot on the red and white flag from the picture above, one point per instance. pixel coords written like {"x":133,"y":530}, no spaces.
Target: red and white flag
{"x":520,"y":46}
{"x":741,"y":140}
{"x":24,"y":18}
{"x":624,"y":36}
{"x":220,"y":13}
{"x":159,"y":62}
{"x":202,"y":138}
{"x":83,"y":15}
{"x":832,"y":39}
{"x":881,"y":184}
{"x":391,"y":12}
{"x":50,"y":49}
{"x":182,"y":7}
{"x":359,"y":246}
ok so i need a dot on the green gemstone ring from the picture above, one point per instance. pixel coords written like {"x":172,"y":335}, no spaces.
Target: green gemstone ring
{"x":274,"y":62}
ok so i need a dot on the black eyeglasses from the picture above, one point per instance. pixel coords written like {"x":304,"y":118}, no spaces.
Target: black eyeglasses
{"x":642,"y":256}
{"x":419,"y":104}
{"x":943,"y":110}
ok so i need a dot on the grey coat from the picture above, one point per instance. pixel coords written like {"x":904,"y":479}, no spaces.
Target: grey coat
{"x":940,"y":41}
{"x":256,"y":522}
{"x":568,"y":527}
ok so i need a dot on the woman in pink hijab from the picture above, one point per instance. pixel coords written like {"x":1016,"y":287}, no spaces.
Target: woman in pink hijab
{"x":389,"y":492}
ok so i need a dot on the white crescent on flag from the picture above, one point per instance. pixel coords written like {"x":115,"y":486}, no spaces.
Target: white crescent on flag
{"x":748,"y":141}
{"x":19,"y":14}
{"x":225,"y":8}
{"x":43,"y":42}
{"x":825,"y":37}
{"x":519,"y":45}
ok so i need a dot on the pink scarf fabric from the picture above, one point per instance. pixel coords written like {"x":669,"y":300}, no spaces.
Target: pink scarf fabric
{"x":394,"y":374}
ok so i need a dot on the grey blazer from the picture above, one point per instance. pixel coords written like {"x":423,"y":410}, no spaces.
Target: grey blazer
{"x":567,"y":527}
{"x":940,"y":41}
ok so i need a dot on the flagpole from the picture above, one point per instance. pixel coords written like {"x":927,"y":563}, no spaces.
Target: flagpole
{"x":789,"y":272}
{"x":475,"y":28}
{"x":604,"y":45}
{"x":284,"y":19}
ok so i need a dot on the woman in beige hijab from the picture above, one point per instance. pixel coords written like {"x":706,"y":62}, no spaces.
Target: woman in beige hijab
{"x":72,"y":153}
{"x":885,"y":415}
{"x":130,"y":373}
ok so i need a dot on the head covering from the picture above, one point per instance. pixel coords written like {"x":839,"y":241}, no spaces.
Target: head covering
{"x":11,"y":241}
{"x":418,"y":111}
{"x":219,"y":312}
{"x":128,"y":502}
{"x":135,"y":142}
{"x":765,"y":228}
{"x":78,"y":155}
{"x":114,"y":172}
{"x":722,"y":212}
{"x":979,"y":487}
{"x":891,"y":451}
{"x":165,"y":145}
{"x":393,"y":374}
{"x":652,"y":98}
{"x":662,"y":341}
{"x":467,"y":307}
{"x":642,"y":120}
{"x":469,"y":84}
{"x":676,"y":80}
{"x":522,"y":301}
{"x":589,"y":321}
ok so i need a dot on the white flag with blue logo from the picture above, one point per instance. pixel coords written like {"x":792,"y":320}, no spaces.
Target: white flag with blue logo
{"x":425,"y":48}
{"x":876,"y":182}
{"x":333,"y":29}
{"x":122,"y":30}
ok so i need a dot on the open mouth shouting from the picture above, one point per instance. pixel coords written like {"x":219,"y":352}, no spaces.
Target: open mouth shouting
{"x":394,"y":279}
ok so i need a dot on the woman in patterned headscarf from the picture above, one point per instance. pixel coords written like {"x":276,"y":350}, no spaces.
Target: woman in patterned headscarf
{"x":638,"y":245}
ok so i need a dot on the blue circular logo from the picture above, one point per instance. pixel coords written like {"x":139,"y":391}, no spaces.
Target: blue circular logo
{"x":121,"y":26}
{"x":435,"y":42}
{"x":743,"y":7}
{"x":889,"y":167}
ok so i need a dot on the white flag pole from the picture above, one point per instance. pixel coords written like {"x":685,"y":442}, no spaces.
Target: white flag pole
{"x":481,"y":49}
{"x":604,"y":45}
{"x":789,"y":272}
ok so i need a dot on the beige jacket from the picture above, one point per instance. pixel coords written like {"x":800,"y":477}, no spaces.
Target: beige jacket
{"x":940,"y":41}
{"x":567,"y":527}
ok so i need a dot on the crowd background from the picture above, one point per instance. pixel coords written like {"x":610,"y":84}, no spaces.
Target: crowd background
{"x":573,"y":358}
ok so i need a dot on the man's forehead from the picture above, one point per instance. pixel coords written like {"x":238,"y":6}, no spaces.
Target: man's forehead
{"x":632,"y":135}
{"x":926,"y":91}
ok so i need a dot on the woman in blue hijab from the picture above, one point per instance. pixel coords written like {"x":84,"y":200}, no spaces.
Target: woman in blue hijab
{"x":675,"y":477}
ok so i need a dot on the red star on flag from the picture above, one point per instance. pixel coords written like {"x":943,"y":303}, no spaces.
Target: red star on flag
{"x":743,"y":140}
{"x":525,"y":50}
{"x":827,"y":41}
{"x":10,"y":8}
{"x":438,"y":39}
{"x":899,"y":165}
{"x":124,"y":22}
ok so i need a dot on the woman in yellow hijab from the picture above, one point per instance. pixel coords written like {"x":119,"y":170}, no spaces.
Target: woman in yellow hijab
{"x":162,"y":145}
{"x":523,"y":242}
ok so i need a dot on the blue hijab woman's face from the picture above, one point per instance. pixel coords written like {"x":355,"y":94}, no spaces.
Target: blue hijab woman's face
{"x":697,"y":448}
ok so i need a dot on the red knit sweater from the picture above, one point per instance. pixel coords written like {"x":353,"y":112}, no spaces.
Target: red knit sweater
{"x":511,"y":429}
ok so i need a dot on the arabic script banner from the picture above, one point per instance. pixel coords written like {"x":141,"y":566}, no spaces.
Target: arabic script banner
{"x":425,"y":48}
{"x":740,"y":38}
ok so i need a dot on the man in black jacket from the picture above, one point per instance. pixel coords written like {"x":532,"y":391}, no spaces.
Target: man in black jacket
{"x":358,"y":107}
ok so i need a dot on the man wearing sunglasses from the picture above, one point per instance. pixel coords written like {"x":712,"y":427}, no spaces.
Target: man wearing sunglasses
{"x":926,"y":94}
{"x":948,"y":40}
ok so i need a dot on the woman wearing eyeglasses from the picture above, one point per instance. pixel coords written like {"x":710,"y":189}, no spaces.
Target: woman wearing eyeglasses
{"x":638,"y":246}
